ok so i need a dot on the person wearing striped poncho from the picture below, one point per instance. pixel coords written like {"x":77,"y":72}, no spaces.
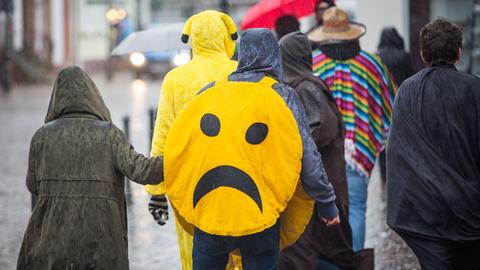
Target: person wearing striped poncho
{"x":364,"y":90}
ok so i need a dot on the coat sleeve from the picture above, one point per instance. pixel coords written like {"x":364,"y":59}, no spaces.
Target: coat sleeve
{"x":31,"y":182}
{"x":133,"y":165}
{"x":163,"y":123}
{"x":313,"y":176}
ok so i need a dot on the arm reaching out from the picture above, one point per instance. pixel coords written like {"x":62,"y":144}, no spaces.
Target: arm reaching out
{"x":133,"y":165}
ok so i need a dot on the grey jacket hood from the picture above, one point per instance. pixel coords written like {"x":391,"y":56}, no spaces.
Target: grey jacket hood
{"x":74,"y":93}
{"x":258,"y":56}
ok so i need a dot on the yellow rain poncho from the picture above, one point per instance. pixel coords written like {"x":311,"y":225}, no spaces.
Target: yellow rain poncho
{"x":211,"y":34}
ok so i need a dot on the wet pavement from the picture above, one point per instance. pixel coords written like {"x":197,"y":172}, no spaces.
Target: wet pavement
{"x":150,"y":246}
{"x":22,"y":112}
{"x":391,"y":253}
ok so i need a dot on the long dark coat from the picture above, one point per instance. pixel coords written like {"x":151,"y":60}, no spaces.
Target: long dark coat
{"x":391,"y":49}
{"x":77,"y":164}
{"x":326,"y":125}
{"x":433,"y":156}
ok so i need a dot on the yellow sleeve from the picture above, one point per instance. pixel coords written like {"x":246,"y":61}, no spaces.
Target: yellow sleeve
{"x":163,"y":122}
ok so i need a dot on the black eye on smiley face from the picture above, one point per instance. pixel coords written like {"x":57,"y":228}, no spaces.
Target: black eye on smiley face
{"x":256,"y":133}
{"x":210,"y":125}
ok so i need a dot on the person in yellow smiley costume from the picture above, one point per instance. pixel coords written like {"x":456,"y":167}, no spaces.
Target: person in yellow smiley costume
{"x":234,"y":157}
{"x":211,"y":35}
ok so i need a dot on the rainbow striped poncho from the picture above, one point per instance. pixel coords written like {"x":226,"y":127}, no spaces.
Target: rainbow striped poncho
{"x":364,"y":91}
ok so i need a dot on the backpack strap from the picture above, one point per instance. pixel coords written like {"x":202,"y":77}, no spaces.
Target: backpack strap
{"x":268,"y":81}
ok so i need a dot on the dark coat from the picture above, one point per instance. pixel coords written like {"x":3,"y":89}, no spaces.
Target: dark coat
{"x":77,"y":164}
{"x":324,"y":119}
{"x":433,"y":156}
{"x":326,"y":125}
{"x":391,"y":51}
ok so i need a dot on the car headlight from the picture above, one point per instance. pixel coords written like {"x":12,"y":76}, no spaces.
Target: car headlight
{"x":181,"y":59}
{"x":137,"y":59}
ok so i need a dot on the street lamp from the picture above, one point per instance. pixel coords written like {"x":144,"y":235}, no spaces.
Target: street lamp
{"x":112,"y":15}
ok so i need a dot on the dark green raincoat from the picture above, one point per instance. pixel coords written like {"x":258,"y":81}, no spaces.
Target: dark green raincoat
{"x":77,"y":164}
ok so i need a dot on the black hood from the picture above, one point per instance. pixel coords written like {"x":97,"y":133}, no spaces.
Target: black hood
{"x":296,"y":54}
{"x":391,"y":39}
{"x":75,"y":93}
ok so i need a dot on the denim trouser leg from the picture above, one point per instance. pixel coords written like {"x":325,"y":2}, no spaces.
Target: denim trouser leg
{"x":357,"y":196}
{"x":210,"y":252}
{"x":259,"y":250}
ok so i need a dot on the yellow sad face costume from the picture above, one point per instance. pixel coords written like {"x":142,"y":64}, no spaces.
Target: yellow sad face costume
{"x":233,"y":158}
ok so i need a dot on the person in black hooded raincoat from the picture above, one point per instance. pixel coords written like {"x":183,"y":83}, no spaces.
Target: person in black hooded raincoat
{"x":77,"y":167}
{"x":391,"y":50}
{"x":319,"y":241}
{"x":433,"y":157}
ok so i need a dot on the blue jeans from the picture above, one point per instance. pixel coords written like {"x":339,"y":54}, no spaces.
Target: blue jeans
{"x":357,"y":198}
{"x":259,"y":250}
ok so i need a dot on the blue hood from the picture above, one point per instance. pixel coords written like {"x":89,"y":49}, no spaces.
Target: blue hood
{"x":259,"y":55}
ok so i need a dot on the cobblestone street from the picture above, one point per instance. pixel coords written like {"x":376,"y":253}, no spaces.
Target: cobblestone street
{"x":151,"y":246}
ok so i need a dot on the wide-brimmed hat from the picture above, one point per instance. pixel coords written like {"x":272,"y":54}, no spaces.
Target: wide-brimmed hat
{"x":337,"y":27}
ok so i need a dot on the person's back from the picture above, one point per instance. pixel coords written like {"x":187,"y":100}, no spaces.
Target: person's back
{"x":391,"y":50}
{"x":211,"y":60}
{"x":249,"y":135}
{"x":438,"y":111}
{"x":199,"y":72}
{"x":364,"y":91}
{"x":207,"y":32}
{"x":434,"y":157}
{"x":212,"y":36}
{"x":77,"y":164}
{"x":327,"y":129}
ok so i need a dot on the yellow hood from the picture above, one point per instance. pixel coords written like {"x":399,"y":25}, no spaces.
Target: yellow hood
{"x":210,"y":32}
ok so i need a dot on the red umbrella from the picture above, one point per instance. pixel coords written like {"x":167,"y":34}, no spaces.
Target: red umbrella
{"x":266,"y":12}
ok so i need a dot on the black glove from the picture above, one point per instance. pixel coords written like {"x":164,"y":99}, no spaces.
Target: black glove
{"x":158,"y":207}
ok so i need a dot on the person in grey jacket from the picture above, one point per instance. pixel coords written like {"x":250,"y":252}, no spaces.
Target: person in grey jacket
{"x":259,"y":56}
{"x":77,"y":167}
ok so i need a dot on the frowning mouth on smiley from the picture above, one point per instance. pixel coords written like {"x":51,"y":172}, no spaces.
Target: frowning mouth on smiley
{"x":225,"y":175}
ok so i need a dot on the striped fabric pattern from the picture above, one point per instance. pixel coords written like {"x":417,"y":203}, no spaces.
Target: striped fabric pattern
{"x":364,"y":90}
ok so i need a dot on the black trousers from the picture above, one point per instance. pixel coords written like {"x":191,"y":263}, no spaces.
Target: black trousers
{"x":444,"y":254}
